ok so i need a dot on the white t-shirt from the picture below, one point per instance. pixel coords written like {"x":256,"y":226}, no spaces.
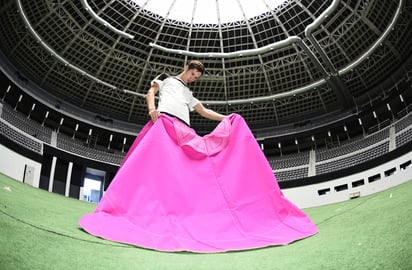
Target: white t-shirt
{"x":175,"y":97}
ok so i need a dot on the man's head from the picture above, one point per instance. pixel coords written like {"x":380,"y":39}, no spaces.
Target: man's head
{"x":194,"y":64}
{"x":193,"y":71}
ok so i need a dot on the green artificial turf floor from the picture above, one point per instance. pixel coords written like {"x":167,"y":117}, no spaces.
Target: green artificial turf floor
{"x":38,"y":230}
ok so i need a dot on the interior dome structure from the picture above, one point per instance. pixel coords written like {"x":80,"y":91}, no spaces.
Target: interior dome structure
{"x":299,"y":67}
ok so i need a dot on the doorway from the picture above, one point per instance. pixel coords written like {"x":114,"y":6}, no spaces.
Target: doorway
{"x":93,"y":185}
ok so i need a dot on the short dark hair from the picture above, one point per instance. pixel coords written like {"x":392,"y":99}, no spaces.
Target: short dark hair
{"x":195,"y":64}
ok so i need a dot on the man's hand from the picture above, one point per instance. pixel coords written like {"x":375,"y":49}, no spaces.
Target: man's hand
{"x":154,"y":114}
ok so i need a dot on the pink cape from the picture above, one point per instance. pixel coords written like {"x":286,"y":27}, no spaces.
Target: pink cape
{"x":178,"y":191}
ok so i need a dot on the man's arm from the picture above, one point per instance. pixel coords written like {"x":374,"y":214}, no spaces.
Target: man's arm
{"x":207,"y":113}
{"x":150,"y":101}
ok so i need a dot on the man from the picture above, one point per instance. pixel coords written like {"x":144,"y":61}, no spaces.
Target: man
{"x":175,"y":97}
{"x":201,"y":194}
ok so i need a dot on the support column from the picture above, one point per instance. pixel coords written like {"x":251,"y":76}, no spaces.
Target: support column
{"x":68,"y":179}
{"x":312,"y":163}
{"x":52,"y":170}
{"x":392,"y":138}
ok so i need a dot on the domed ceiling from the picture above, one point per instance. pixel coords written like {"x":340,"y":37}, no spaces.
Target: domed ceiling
{"x":273,"y":62}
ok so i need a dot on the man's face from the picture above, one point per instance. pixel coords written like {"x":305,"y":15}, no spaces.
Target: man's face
{"x":191,"y":75}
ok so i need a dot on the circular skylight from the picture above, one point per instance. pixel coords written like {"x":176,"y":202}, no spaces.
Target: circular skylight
{"x":209,"y":11}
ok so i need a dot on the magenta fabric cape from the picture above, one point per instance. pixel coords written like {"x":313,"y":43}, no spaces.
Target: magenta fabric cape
{"x":178,"y":191}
